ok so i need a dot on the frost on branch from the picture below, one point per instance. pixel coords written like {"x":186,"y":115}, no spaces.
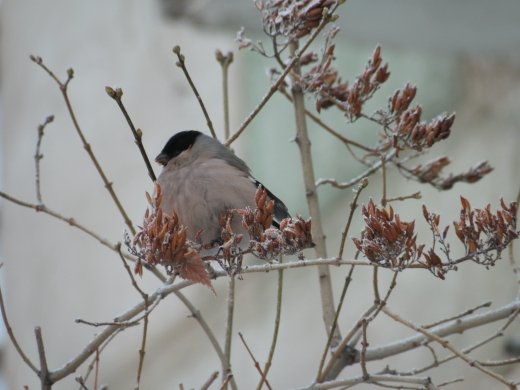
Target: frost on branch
{"x":162,"y":240}
{"x":292,"y":19}
{"x":391,"y":243}
{"x":324,"y":82}
{"x":386,"y":240}
{"x":266,"y":241}
{"x":485,"y":234}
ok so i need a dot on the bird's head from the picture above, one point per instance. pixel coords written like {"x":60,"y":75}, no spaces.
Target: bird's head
{"x":178,"y":145}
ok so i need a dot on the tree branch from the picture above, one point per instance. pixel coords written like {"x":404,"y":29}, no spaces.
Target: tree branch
{"x":117,"y":95}
{"x":182,"y":64}
{"x":63,"y":86}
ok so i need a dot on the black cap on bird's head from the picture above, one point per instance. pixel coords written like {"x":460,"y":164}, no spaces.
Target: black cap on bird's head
{"x":176,"y":145}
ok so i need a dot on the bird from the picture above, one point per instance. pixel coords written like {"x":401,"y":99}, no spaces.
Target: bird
{"x":201,"y":179}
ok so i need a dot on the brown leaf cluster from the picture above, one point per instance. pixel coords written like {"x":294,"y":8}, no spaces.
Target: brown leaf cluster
{"x":482,"y":231}
{"x":431,"y":173}
{"x":406,"y":130}
{"x":162,"y":240}
{"x":257,"y":220}
{"x":432,"y":261}
{"x":324,"y":82}
{"x":292,"y":19}
{"x":268,"y":242}
{"x":386,"y":240}
{"x":291,"y":238}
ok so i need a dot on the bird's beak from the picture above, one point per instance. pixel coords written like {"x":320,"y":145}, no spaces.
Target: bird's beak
{"x":162,"y":159}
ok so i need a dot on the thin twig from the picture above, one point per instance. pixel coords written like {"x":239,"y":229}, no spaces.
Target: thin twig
{"x":257,"y":365}
{"x":195,"y":313}
{"x":226,"y":368}
{"x":63,"y":86}
{"x":319,"y":122}
{"x":38,"y":156}
{"x":415,"y":195}
{"x":96,"y":369}
{"x":72,"y":222}
{"x":346,"y":284}
{"x":338,"y":352}
{"x":456,"y":380}
{"x":11,"y":335}
{"x":375,"y":285}
{"x":130,"y":274}
{"x":181,"y":63}
{"x":90,"y":368}
{"x":226,"y":381}
{"x":445,"y":344}
{"x":455,"y":326}
{"x":336,"y":364}
{"x":225,"y":61}
{"x":267,"y":365}
{"x":425,"y":381}
{"x":353,"y":207}
{"x":463,"y":314}
{"x":98,"y":340}
{"x":383,"y":172}
{"x":210,"y":381}
{"x":497,"y":363}
{"x":122,"y":323}
{"x":374,"y":168}
{"x":44,"y":369}
{"x":364,"y":346}
{"x":294,"y":60}
{"x":142,"y":350}
{"x":117,"y":95}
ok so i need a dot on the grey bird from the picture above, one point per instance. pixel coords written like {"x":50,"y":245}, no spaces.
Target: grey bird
{"x":201,"y":179}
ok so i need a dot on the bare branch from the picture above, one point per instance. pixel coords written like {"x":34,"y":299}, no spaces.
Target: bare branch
{"x":463,"y":314}
{"x":12,"y":337}
{"x":424,"y":381}
{"x":182,"y":64}
{"x":257,"y":365}
{"x":94,"y":344}
{"x":445,"y":344}
{"x":38,"y":156}
{"x":225,"y":61}
{"x":353,"y":207}
{"x":346,"y":284}
{"x":352,"y":182}
{"x":226,"y":368}
{"x":72,"y":222}
{"x":44,"y":370}
{"x":117,"y":95}
{"x":63,"y":86}
{"x":267,"y":365}
{"x":210,"y":381}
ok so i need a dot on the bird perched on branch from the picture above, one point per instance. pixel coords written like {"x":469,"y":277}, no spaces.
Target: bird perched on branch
{"x":201,"y":180}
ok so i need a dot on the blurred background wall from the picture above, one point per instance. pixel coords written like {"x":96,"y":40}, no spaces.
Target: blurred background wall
{"x":464,"y":56}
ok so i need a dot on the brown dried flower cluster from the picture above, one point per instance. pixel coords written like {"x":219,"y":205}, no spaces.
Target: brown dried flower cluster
{"x":267,"y":242}
{"x":391,"y":243}
{"x":162,"y":240}
{"x":386,"y":240}
{"x":431,"y":173}
{"x":403,"y":128}
{"x":485,"y":234}
{"x":324,"y":82}
{"x":291,"y":18}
